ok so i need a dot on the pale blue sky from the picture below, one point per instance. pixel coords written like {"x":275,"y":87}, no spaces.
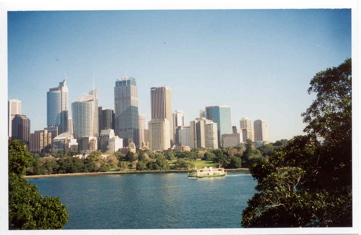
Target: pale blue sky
{"x":259,"y":62}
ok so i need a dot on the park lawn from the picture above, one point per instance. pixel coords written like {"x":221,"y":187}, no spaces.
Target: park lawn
{"x":201,"y":163}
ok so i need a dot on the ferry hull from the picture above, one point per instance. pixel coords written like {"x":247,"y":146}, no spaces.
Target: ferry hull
{"x":206,"y":176}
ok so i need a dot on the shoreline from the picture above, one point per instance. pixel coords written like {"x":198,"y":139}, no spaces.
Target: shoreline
{"x":122,"y":172}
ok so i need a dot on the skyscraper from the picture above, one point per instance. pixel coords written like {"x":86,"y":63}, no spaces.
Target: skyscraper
{"x":21,"y":128}
{"x":260,"y":130}
{"x":106,"y":119}
{"x":57,"y":107}
{"x":178,"y":121}
{"x":222,"y":116}
{"x":14,"y":107}
{"x":203,"y":134}
{"x":161,"y":109}
{"x":142,"y":126}
{"x":85,"y":115}
{"x":126,"y":110}
{"x":246,"y":128}
{"x":159,"y":135}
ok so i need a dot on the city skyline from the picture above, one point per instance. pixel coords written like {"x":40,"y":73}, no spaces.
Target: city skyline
{"x":258,"y":62}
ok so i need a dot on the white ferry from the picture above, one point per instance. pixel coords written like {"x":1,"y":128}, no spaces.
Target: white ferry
{"x":207,"y":172}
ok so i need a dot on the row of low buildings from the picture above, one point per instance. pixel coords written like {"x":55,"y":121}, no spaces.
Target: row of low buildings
{"x":91,"y":127}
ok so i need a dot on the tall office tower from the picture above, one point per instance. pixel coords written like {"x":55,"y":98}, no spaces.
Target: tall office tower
{"x":202,"y":113}
{"x":106,"y":118}
{"x":57,"y":107}
{"x":203,"y":134}
{"x":142,"y":121}
{"x":21,"y":128}
{"x":40,"y":141}
{"x":260,"y":130}
{"x":104,"y":137}
{"x":246,"y":128}
{"x":126,"y":110}
{"x":85,"y":115}
{"x":178,"y":120}
{"x":184,"y":135}
{"x":14,"y":107}
{"x":70,"y":126}
{"x":159,"y":135}
{"x":222,"y":116}
{"x":161,"y":107}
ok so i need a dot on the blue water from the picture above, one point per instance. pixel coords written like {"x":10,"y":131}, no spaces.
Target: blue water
{"x":151,"y":201}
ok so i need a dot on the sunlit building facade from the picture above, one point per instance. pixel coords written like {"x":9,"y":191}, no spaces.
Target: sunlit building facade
{"x":126,"y":110}
{"x":14,"y":107}
{"x":85,"y":115}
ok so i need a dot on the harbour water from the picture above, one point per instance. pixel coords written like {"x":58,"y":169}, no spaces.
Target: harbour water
{"x":151,"y":201}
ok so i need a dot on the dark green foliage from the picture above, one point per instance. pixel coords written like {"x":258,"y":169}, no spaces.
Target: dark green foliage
{"x":160,"y":163}
{"x":27,"y":208}
{"x":130,"y":157}
{"x":169,"y":155}
{"x":251,"y":155}
{"x":95,"y":163}
{"x":280,"y":143}
{"x":120,"y":156}
{"x":19,"y":158}
{"x":267,"y":149}
{"x":191,"y":155}
{"x":235,"y":162}
{"x":221,"y":157}
{"x":141,"y":156}
{"x":141,"y":166}
{"x":308,"y":183}
{"x":209,"y":156}
{"x":183,"y":164}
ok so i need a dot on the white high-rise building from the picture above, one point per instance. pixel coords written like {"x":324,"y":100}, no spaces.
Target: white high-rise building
{"x":260,"y":130}
{"x":203,"y":134}
{"x":159,"y":135}
{"x":14,"y":107}
{"x":85,"y":115}
{"x":246,"y":128}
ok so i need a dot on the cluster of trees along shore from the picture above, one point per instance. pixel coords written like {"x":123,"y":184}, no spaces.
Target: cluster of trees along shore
{"x":231,"y":157}
{"x":302,"y":182}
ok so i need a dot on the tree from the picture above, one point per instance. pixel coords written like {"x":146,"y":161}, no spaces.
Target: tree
{"x":267,"y":149}
{"x":169,"y":155}
{"x":235,"y":162}
{"x":251,"y":155}
{"x":141,"y":166}
{"x":183,"y":164}
{"x":27,"y":208}
{"x":308,"y":182}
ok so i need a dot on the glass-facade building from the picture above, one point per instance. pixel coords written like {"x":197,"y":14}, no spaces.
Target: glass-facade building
{"x":126,"y":110}
{"x":57,"y":107}
{"x":222,"y":116}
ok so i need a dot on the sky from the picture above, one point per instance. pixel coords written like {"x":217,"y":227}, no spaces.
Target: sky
{"x":260,"y":62}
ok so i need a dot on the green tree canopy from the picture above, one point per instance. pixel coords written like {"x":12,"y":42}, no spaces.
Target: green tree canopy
{"x":308,"y":182}
{"x":27,"y":208}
